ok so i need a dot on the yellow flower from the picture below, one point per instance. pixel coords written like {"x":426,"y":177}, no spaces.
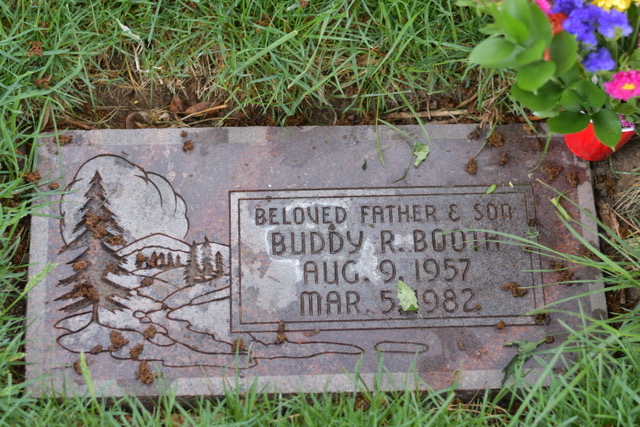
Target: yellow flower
{"x":621,"y":5}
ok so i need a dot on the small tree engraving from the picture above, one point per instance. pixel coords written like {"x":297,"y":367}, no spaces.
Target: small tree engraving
{"x":92,"y":286}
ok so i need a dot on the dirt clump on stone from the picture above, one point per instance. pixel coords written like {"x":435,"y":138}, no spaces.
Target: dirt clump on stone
{"x":501,"y":325}
{"x":504,"y":158}
{"x":147,"y":281}
{"x":563,"y":274}
{"x":150,"y":332}
{"x":84,"y":290}
{"x":144,"y":374}
{"x":79,"y":265}
{"x":117,"y":340}
{"x":515,"y":289}
{"x":552,"y":171}
{"x":281,"y":337}
{"x":496,"y":140}
{"x":65,"y":139}
{"x":471,"y":167}
{"x":94,"y":223}
{"x":188,"y":146}
{"x":116,"y":240}
{"x":54,"y":186}
{"x":573,"y":179}
{"x":135,"y":352}
{"x":96,"y":349}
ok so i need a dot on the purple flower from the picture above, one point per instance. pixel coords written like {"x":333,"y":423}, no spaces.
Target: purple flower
{"x":599,"y":60}
{"x":614,"y":20}
{"x":582,"y":23}
{"x":566,"y":6}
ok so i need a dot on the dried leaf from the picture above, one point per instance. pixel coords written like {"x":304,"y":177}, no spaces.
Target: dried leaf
{"x":177,"y":105}
{"x":200,"y":109}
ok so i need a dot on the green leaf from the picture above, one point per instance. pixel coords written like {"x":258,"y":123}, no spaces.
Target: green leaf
{"x":491,"y":188}
{"x":607,"y":127}
{"x":556,"y":202}
{"x":407,"y":297}
{"x":563,"y":52}
{"x":512,"y":28}
{"x":518,"y":9}
{"x":539,"y":25}
{"x":593,"y":96}
{"x":525,"y":351}
{"x":495,"y":52}
{"x":571,"y":101}
{"x":533,"y":76}
{"x":568,"y":122}
{"x":532,"y":54}
{"x":421,"y":151}
{"x":543,"y":99}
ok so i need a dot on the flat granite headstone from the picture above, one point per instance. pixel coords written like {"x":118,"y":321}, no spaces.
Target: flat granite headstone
{"x":212,"y":258}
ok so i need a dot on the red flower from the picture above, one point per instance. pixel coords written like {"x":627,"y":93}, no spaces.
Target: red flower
{"x":556,"y":20}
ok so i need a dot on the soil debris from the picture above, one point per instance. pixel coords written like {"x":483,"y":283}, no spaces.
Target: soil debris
{"x":281,"y":337}
{"x":111,"y":267}
{"x":471,"y":167}
{"x":563,"y":275}
{"x":117,"y":340}
{"x":504,"y":158}
{"x":136,"y":351}
{"x":32,"y":176}
{"x":496,"y":140}
{"x":96,"y":349}
{"x":35,"y":49}
{"x":540,"y":144}
{"x":140,"y":259}
{"x":476,"y":133}
{"x":573,"y":179}
{"x":533,"y":222}
{"x":77,"y":366}
{"x":150,"y":332}
{"x":117,"y":240}
{"x":515,"y":289}
{"x":54,"y":186}
{"x":460,"y":344}
{"x":549,"y":339}
{"x":238,"y":346}
{"x":144,"y":374}
{"x":79,"y":265}
{"x":542,"y":319}
{"x":94,"y":224}
{"x":184,"y":134}
{"x":64,"y":139}
{"x":188,"y":145}
{"x":501,"y":325}
{"x":552,"y":171}
{"x":147,"y":281}
{"x":84,"y":290}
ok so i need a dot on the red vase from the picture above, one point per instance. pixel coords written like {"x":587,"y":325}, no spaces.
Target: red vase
{"x":586,"y":145}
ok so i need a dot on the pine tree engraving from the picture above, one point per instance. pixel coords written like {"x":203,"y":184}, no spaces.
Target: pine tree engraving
{"x":92,"y":286}
{"x":207,"y":260}
{"x":192,"y":271}
{"x":219,"y":268}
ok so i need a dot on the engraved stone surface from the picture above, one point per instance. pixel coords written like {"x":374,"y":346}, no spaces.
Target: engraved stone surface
{"x":273,"y":255}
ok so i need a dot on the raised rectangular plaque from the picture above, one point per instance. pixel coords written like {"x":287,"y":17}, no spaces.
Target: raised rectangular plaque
{"x":331,"y":259}
{"x":219,"y":257}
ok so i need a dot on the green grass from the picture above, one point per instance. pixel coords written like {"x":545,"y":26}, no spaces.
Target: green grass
{"x":273,"y":57}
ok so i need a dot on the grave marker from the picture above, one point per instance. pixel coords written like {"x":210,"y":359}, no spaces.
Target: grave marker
{"x":274,"y":254}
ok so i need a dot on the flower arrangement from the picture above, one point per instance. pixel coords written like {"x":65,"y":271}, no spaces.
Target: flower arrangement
{"x":576,"y":61}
